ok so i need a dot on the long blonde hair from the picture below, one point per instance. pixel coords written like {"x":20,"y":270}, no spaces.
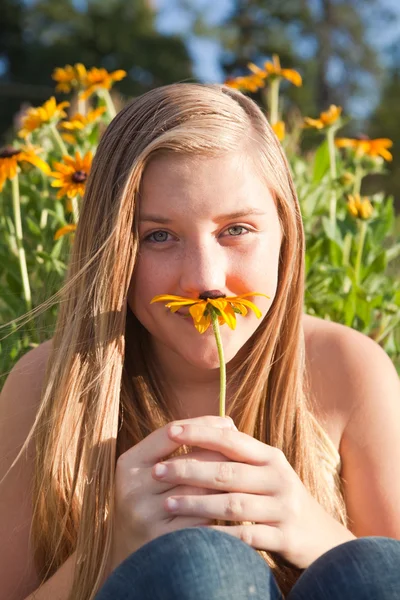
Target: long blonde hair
{"x":102,"y":393}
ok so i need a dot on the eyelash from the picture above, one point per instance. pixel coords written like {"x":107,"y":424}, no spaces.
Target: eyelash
{"x":147,"y":237}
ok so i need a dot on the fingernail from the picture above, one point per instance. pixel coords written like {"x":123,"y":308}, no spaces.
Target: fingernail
{"x":176,"y":430}
{"x":160,"y":470}
{"x":172,"y":504}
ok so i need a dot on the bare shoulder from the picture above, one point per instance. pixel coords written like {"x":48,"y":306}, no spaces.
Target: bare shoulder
{"x":359,"y":391}
{"x":345,"y":368}
{"x":19,"y":403}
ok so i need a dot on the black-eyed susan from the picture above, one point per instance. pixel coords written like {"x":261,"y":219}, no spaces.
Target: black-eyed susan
{"x":10,"y":157}
{"x":201,"y":310}
{"x":367,"y":147}
{"x":71,"y":175}
{"x":97,"y":79}
{"x":273,"y":69}
{"x":213,"y":308}
{"x":359,"y":207}
{"x":326,"y":119}
{"x":36,"y":117}
{"x":247,"y":83}
{"x":78,"y":122}
{"x":69,"y":77}
{"x":67,"y":229}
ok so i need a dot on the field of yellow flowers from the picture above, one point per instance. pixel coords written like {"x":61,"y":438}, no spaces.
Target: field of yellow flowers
{"x":351,"y":242}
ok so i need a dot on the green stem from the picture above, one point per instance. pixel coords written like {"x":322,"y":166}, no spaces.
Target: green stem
{"x":20,"y":241}
{"x":330,"y":136}
{"x":274,"y":101}
{"x":58,"y":139}
{"x":222,"y":367}
{"x":75,"y":209}
{"x":363,"y":231}
{"x":357,"y":179}
{"x":81,"y":106}
{"x":109,"y":103}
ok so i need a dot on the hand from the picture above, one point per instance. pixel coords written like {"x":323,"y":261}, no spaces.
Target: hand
{"x":258,"y":485}
{"x":140,"y":515}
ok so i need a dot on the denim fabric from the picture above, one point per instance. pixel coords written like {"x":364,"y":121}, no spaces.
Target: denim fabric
{"x":204,"y":564}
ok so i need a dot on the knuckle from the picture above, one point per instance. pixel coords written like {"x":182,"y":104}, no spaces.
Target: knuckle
{"x":245,"y":535}
{"x":225,"y":473}
{"x":234,"y":508}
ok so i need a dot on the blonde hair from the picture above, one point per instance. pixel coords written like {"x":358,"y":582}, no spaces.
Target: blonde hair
{"x":102,"y":393}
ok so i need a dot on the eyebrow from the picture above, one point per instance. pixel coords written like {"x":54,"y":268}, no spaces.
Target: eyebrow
{"x":235,"y":215}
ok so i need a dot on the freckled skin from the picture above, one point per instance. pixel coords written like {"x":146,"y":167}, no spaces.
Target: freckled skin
{"x":194,"y":253}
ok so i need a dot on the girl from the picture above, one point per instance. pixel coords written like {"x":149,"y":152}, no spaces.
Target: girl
{"x":118,"y":480}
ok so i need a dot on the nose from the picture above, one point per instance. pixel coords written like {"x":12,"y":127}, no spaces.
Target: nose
{"x":203,"y":268}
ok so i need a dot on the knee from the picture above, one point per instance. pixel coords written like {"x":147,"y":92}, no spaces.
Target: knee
{"x":376,"y":551}
{"x":366,"y":567}
{"x":213,"y":559}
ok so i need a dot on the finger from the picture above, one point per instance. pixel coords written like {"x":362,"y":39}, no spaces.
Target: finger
{"x":154,"y":507}
{"x":158,"y":444}
{"x":218,"y":475}
{"x":258,"y":536}
{"x":158,"y":484}
{"x":228,"y":507}
{"x":235,"y":445}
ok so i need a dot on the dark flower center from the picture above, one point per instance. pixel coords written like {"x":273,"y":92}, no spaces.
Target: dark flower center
{"x":362,"y":136}
{"x":213,"y":294}
{"x":9,"y":151}
{"x":79,"y":177}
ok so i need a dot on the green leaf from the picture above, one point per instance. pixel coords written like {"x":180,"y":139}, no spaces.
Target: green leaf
{"x":321,"y":162}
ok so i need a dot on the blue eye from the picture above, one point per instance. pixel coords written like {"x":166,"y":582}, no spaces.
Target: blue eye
{"x":237,"y":227}
{"x":159,"y":236}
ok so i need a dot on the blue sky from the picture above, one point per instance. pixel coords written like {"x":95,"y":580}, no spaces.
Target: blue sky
{"x":205,"y":53}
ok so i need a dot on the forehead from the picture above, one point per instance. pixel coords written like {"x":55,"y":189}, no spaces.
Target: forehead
{"x":203,"y":186}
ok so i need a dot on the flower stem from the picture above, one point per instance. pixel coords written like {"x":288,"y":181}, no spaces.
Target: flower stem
{"x":357,"y":179}
{"x":75,"y":208}
{"x":330,"y":136}
{"x":58,"y":139}
{"x":274,"y":101}
{"x":222,"y":367}
{"x":20,"y":242}
{"x":109,"y":103}
{"x":363,"y":231}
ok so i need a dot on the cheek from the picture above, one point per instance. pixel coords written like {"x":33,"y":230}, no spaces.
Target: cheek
{"x":151,"y":277}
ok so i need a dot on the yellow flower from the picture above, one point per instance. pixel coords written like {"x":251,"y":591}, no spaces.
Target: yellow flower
{"x":365,"y":146}
{"x":71,"y":175}
{"x":10,"y":157}
{"x":279,"y":128}
{"x":249,"y":83}
{"x":64,"y":230}
{"x":100,"y":78}
{"x":42,"y":115}
{"x":274,"y":69}
{"x":69,"y":77}
{"x":360,"y":208}
{"x":199,"y":309}
{"x":326,"y":119}
{"x":258,"y":76}
{"x":79,"y":122}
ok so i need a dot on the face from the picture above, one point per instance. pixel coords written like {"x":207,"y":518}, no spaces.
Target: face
{"x":191,"y":241}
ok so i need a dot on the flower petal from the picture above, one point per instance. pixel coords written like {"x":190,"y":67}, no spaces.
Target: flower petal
{"x":229,"y":316}
{"x":170,"y":297}
{"x":197,"y":311}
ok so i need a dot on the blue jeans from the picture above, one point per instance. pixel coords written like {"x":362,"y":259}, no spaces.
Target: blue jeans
{"x":204,"y":564}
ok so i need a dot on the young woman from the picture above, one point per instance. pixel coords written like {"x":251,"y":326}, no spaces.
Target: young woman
{"x":190,"y":194}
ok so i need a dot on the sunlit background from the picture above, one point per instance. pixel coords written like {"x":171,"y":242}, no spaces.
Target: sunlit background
{"x":348,"y":52}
